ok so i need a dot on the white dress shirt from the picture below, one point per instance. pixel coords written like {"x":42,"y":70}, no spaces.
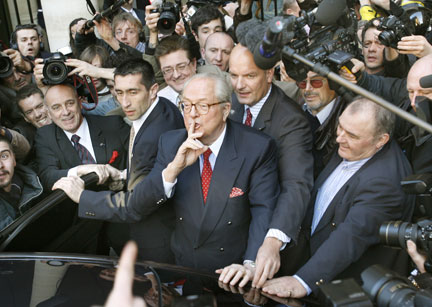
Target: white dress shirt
{"x":169,"y":93}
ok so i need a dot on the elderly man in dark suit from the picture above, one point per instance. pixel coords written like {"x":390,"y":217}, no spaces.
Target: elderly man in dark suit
{"x":74,"y":144}
{"x":220,"y":177}
{"x":357,"y":191}
{"x":263,"y":105}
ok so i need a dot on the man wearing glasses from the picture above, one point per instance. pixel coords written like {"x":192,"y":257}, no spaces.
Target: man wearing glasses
{"x":322,"y":108}
{"x":177,"y":65}
{"x":219,"y":176}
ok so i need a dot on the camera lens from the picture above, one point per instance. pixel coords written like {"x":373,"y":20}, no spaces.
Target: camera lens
{"x":396,"y":233}
{"x":387,"y":38}
{"x":386,"y":288}
{"x":55,"y":72}
{"x":5,"y":66}
{"x":166,"y":23}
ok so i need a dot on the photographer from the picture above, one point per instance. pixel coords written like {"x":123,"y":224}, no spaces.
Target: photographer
{"x":122,"y":40}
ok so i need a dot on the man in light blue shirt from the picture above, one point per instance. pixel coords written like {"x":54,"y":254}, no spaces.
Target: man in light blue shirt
{"x":357,"y":191}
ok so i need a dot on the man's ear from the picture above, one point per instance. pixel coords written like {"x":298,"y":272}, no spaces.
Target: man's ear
{"x":269,"y":75}
{"x":226,"y":110}
{"x":202,"y":53}
{"x":384,"y":138}
{"x":195,"y":35}
{"x":153,"y":91}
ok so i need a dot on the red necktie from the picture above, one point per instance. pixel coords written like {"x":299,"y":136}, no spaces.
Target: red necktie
{"x":248,"y":121}
{"x":206,"y":174}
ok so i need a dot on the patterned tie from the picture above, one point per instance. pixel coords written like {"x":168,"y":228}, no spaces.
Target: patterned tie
{"x":131,"y":141}
{"x":248,"y":121}
{"x":206,"y":174}
{"x":83,"y":153}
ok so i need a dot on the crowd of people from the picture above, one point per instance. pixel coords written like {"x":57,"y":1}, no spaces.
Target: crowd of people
{"x":207,"y":160}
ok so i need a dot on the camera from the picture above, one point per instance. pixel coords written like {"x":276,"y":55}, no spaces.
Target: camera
{"x":55,"y":70}
{"x":393,"y":30}
{"x":386,"y":288}
{"x":6,"y":65}
{"x":396,"y":233}
{"x":169,"y":16}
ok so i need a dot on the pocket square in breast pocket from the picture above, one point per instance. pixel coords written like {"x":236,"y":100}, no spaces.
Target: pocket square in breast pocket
{"x":235,"y":192}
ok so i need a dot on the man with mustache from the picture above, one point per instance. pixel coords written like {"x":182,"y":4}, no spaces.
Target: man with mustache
{"x":19,"y":185}
{"x":322,"y":107}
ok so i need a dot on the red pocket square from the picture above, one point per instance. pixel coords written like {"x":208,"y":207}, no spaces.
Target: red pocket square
{"x":235,"y":192}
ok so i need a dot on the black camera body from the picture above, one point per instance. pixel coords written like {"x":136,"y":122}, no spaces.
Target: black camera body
{"x":55,"y":70}
{"x":6,"y":65}
{"x":169,"y":16}
{"x":393,"y":29}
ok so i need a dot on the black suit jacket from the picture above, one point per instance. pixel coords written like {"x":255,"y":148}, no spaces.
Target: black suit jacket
{"x":230,"y":226}
{"x":284,"y":120}
{"x":55,"y":153}
{"x":153,"y":233}
{"x":345,"y":241}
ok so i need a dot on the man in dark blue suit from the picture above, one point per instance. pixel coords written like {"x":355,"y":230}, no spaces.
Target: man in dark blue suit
{"x":151,"y":116}
{"x":220,"y":177}
{"x":357,"y":191}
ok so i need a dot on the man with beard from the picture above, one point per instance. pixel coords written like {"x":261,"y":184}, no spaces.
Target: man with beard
{"x":19,"y":185}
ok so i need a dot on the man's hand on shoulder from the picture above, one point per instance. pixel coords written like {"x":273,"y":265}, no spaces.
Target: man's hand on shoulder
{"x":73,"y":187}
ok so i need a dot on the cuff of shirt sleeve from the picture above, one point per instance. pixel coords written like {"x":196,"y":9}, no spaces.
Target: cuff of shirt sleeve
{"x":168,"y":186}
{"x":276,"y":233}
{"x":72,"y":172}
{"x":309,"y":291}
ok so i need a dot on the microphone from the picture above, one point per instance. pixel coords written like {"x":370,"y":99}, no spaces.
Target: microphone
{"x":329,"y":11}
{"x":426,"y":81}
{"x":106,"y":13}
{"x":267,"y":53}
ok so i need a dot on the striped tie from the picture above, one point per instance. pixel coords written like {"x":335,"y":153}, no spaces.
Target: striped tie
{"x":83,"y":153}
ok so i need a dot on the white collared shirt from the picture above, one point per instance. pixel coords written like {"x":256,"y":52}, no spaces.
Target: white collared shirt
{"x":256,"y":108}
{"x":215,"y":148}
{"x":85,"y":139}
{"x":169,"y":93}
{"x":323,"y":114}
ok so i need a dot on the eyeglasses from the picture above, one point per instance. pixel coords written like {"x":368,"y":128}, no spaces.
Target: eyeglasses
{"x":180,"y":68}
{"x":316,"y":83}
{"x":201,"y":108}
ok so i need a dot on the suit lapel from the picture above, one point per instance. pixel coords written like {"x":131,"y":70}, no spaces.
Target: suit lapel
{"x":220,"y":186}
{"x":332,"y":164}
{"x":98,"y":142}
{"x":71,"y":157}
{"x":266,"y":111}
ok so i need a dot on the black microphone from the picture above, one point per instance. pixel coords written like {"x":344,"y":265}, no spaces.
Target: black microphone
{"x":329,"y":11}
{"x":426,"y":81}
{"x":267,"y":53}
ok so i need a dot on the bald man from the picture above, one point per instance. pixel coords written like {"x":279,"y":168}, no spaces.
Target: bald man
{"x":217,"y":50}
{"x":259,"y":103}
